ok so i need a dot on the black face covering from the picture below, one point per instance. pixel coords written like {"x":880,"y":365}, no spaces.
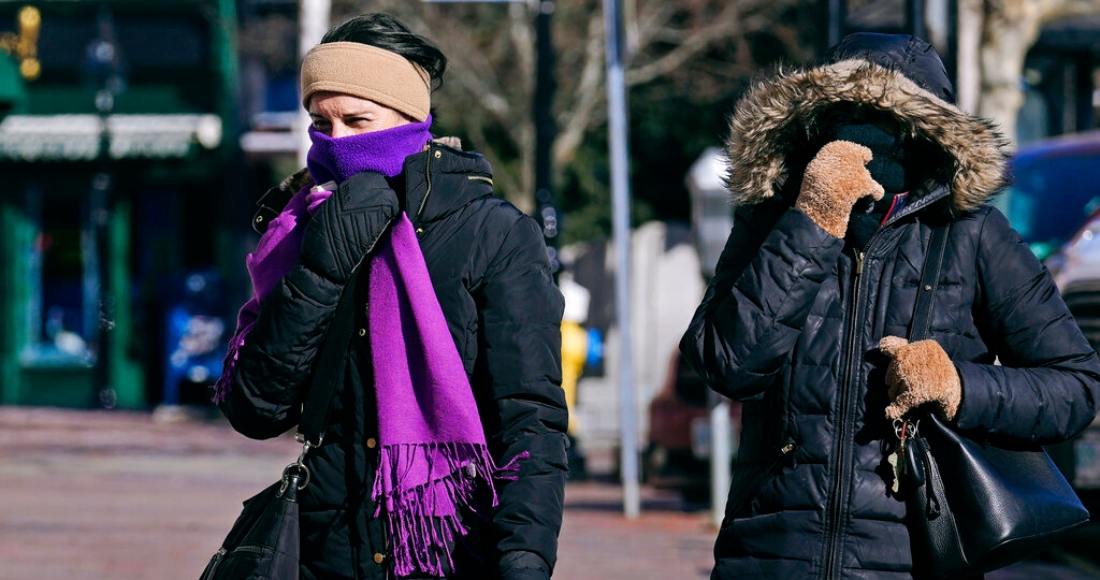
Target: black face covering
{"x":889,"y":151}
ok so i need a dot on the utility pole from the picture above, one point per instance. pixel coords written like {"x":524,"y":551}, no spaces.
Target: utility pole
{"x":545,"y":131}
{"x":103,"y":65}
{"x":837,"y":17}
{"x":545,"y":128}
{"x":914,"y":18}
{"x":619,"y":141}
{"x":314,"y":19}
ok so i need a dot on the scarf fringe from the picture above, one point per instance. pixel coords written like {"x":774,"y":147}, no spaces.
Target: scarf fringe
{"x":229,"y":368}
{"x":422,"y":518}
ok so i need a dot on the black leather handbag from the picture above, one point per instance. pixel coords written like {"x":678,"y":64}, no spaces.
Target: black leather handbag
{"x":264,"y":540}
{"x":976,"y":506}
{"x":263,"y":543}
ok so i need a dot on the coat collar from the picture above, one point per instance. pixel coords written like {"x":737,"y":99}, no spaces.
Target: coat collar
{"x":441,"y":179}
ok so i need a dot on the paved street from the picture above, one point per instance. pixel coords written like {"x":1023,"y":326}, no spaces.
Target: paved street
{"x":91,"y":495}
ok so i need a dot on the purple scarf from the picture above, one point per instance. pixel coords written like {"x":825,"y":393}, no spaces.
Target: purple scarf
{"x":433,"y":449}
{"x":328,"y":160}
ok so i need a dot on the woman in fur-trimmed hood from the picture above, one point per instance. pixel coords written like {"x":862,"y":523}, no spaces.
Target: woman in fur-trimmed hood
{"x":839,"y":173}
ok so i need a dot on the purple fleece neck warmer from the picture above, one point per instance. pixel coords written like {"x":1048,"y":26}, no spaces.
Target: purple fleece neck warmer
{"x":336,"y":160}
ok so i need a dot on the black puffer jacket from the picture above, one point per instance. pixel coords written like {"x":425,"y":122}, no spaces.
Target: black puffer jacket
{"x":791,"y":322}
{"x":490,"y":271}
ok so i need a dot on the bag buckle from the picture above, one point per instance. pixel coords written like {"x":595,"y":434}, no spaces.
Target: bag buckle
{"x":297,"y":471}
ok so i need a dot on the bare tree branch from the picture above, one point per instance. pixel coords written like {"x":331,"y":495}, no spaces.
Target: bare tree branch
{"x":693,"y":46}
{"x":586,"y":96}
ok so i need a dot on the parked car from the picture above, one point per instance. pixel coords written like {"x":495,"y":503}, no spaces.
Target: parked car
{"x":1055,"y":188}
{"x":677,"y":454}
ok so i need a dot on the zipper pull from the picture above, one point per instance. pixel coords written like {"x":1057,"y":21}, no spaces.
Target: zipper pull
{"x":859,"y":263}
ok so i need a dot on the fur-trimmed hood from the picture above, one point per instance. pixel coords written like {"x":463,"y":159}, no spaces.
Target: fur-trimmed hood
{"x":898,"y":75}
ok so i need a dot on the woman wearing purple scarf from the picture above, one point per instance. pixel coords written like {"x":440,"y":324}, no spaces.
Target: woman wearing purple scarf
{"x":445,"y":450}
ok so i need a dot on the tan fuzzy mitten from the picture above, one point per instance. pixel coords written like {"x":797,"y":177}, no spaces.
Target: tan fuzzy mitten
{"x":920,"y":373}
{"x":834,"y":180}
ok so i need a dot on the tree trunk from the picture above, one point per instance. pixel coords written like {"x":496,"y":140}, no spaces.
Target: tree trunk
{"x":1010,"y":29}
{"x":968,"y":81}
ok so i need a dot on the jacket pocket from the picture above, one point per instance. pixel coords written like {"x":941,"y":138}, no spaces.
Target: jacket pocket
{"x":749,"y":478}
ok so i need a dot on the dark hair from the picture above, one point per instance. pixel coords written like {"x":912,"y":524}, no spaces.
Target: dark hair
{"x":389,"y":33}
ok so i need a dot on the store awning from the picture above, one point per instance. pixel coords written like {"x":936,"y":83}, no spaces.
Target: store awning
{"x":78,"y":137}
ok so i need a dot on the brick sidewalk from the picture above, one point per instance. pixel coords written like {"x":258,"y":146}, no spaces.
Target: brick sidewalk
{"x":91,"y":495}
{"x":664,"y":543}
{"x":96,"y":495}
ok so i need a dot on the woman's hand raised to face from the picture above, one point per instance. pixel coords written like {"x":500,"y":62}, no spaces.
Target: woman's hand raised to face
{"x":835,"y":179}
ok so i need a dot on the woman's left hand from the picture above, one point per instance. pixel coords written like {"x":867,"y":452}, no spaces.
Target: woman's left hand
{"x":347,"y":226}
{"x":920,"y":373}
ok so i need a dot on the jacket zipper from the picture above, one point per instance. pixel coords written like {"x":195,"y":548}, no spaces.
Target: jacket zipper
{"x":248,"y":548}
{"x":428,"y":179}
{"x":215,"y":562}
{"x":734,"y":502}
{"x":838,"y":497}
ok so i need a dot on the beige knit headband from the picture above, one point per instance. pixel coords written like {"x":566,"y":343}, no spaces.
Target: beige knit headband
{"x":367,"y":72}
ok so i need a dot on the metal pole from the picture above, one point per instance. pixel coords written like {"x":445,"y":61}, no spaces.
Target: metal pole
{"x":314,"y":20}
{"x":721,"y":456}
{"x":103,"y":63}
{"x":838,"y":14}
{"x":915,"y":18}
{"x":620,"y":200}
{"x":951,"y":52}
{"x":545,"y":130}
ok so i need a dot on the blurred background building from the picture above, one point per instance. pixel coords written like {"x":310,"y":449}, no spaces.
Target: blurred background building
{"x":135,"y":137}
{"x":116,"y":184}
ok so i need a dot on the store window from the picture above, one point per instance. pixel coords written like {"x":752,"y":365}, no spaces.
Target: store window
{"x":62,"y":314}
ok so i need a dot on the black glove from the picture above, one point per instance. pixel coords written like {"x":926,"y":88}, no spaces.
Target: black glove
{"x":523,"y":565}
{"x":348,"y":224}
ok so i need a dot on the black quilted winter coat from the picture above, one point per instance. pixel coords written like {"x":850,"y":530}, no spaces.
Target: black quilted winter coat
{"x":489,"y":267}
{"x":791,"y":322}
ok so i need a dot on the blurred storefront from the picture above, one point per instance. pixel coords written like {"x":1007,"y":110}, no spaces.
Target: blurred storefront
{"x":1061,"y":73}
{"x":116,"y":173}
{"x":1061,"y":80}
{"x":12,"y":92}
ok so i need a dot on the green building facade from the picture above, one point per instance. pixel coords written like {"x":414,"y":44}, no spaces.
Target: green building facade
{"x":115,"y":188}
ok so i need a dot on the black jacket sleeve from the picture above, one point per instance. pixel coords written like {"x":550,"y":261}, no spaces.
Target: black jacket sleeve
{"x":519,"y":315}
{"x":275,"y":364}
{"x":767,"y":278}
{"x":1047,"y":384}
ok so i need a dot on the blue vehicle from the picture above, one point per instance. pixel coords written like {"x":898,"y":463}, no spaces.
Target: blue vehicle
{"x":1055,"y":188}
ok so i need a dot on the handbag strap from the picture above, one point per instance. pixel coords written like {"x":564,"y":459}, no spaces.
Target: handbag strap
{"x":929,"y":280}
{"x":311,"y":426}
